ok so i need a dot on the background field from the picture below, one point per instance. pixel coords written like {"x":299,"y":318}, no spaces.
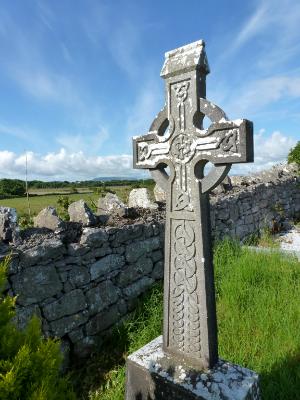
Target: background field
{"x":43,"y":199}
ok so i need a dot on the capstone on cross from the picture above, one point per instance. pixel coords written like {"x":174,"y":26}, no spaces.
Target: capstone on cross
{"x":177,"y":139}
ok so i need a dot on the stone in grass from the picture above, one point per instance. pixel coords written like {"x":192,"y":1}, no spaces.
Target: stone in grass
{"x":153,"y":374}
{"x":48,"y":218}
{"x":79,"y":211}
{"x":9,"y":228}
{"x":140,"y":198}
{"x":111,"y":204}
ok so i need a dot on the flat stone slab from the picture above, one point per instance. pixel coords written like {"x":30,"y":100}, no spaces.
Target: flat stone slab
{"x":154,"y":375}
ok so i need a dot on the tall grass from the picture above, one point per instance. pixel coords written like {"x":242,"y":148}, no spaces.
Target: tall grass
{"x":258,"y":318}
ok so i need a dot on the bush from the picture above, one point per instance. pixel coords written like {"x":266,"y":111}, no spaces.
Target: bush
{"x":294,"y":154}
{"x":29,"y":364}
{"x":12,"y":187}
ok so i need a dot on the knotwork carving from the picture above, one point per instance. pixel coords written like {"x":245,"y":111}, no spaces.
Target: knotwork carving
{"x":181,"y":90}
{"x":181,"y":148}
{"x":184,"y":293}
{"x":229,"y":142}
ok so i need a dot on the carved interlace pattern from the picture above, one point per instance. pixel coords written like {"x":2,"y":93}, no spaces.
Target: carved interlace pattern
{"x":181,"y":90}
{"x":185,"y":300}
{"x":181,"y":147}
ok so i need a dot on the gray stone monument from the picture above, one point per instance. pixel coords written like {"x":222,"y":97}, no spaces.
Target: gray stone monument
{"x":184,"y":364}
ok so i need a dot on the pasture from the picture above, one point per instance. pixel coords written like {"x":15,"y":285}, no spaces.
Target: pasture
{"x":49,"y":197}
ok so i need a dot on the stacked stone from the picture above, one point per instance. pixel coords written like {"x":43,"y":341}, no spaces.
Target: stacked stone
{"x":81,"y":289}
{"x":258,"y":202}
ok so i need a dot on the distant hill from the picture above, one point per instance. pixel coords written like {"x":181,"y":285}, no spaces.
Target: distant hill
{"x":114,"y":178}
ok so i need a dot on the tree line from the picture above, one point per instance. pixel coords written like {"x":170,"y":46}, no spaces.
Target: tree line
{"x":17,"y":187}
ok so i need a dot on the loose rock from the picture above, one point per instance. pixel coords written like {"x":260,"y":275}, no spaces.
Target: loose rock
{"x":79,"y":211}
{"x":141,"y":198}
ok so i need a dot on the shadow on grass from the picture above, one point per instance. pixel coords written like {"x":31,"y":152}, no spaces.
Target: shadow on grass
{"x":283,"y":381}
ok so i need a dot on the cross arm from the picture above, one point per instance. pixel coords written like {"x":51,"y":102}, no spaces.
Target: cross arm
{"x":151,"y":149}
{"x":226,"y":142}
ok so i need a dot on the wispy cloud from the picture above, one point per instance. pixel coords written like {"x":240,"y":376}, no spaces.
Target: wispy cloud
{"x":256,"y":23}
{"x":257,"y":94}
{"x":123,"y":42}
{"x":89,"y":144}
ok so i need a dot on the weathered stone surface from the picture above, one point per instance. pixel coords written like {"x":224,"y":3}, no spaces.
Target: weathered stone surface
{"x":138,"y":287}
{"x":79,"y":276}
{"x":223,"y":187}
{"x":35,"y":284}
{"x":102,"y":296}
{"x":158,"y":270}
{"x":48,"y":218}
{"x":94,"y":237}
{"x":128,"y":233}
{"x":137,"y":249}
{"x":24,"y":314}
{"x":65,"y":325}
{"x":140,"y":198}
{"x":76,"y":335}
{"x":79,"y":211}
{"x":70,"y":303}
{"x":9,"y":228}
{"x":159,"y":193}
{"x":149,"y":376}
{"x":111,"y":204}
{"x":103,"y":320}
{"x":50,"y":249}
{"x":106,"y":265}
{"x":135,"y":271}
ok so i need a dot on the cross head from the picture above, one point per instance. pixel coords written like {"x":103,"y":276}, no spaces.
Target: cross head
{"x":177,"y":140}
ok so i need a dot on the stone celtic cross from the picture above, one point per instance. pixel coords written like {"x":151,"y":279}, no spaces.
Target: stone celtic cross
{"x":177,"y":139}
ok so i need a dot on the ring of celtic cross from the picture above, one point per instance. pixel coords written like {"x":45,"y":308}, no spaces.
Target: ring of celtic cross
{"x":181,"y":146}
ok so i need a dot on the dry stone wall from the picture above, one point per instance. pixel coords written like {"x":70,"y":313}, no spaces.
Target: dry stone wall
{"x":81,"y":289}
{"x":82,"y":281}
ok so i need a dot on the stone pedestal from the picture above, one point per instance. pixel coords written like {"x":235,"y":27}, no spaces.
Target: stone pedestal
{"x":153,"y":375}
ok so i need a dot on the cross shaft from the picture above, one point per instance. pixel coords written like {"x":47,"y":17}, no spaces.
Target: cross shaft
{"x":190,"y":329}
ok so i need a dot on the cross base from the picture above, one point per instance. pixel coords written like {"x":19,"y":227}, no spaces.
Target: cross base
{"x":154,"y":375}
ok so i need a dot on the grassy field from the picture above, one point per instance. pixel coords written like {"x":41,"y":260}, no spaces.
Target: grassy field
{"x":258,"y":319}
{"x":37,"y":203}
{"x":42,"y":192}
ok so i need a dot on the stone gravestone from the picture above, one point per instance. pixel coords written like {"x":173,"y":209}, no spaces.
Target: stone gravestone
{"x":184,"y":364}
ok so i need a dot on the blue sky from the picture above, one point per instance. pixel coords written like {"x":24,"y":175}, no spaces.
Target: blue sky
{"x":79,"y":78}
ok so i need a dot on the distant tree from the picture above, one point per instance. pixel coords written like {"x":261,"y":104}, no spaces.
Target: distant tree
{"x":12,"y":187}
{"x":294,"y":155}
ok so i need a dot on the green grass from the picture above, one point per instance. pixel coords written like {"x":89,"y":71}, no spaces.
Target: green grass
{"x":258,"y":316}
{"x":37,"y":203}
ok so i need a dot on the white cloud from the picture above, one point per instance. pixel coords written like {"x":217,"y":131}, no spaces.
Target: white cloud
{"x":268,"y":150}
{"x":64,"y":165}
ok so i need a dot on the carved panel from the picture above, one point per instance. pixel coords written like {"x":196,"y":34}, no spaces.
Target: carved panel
{"x":184,"y":297}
